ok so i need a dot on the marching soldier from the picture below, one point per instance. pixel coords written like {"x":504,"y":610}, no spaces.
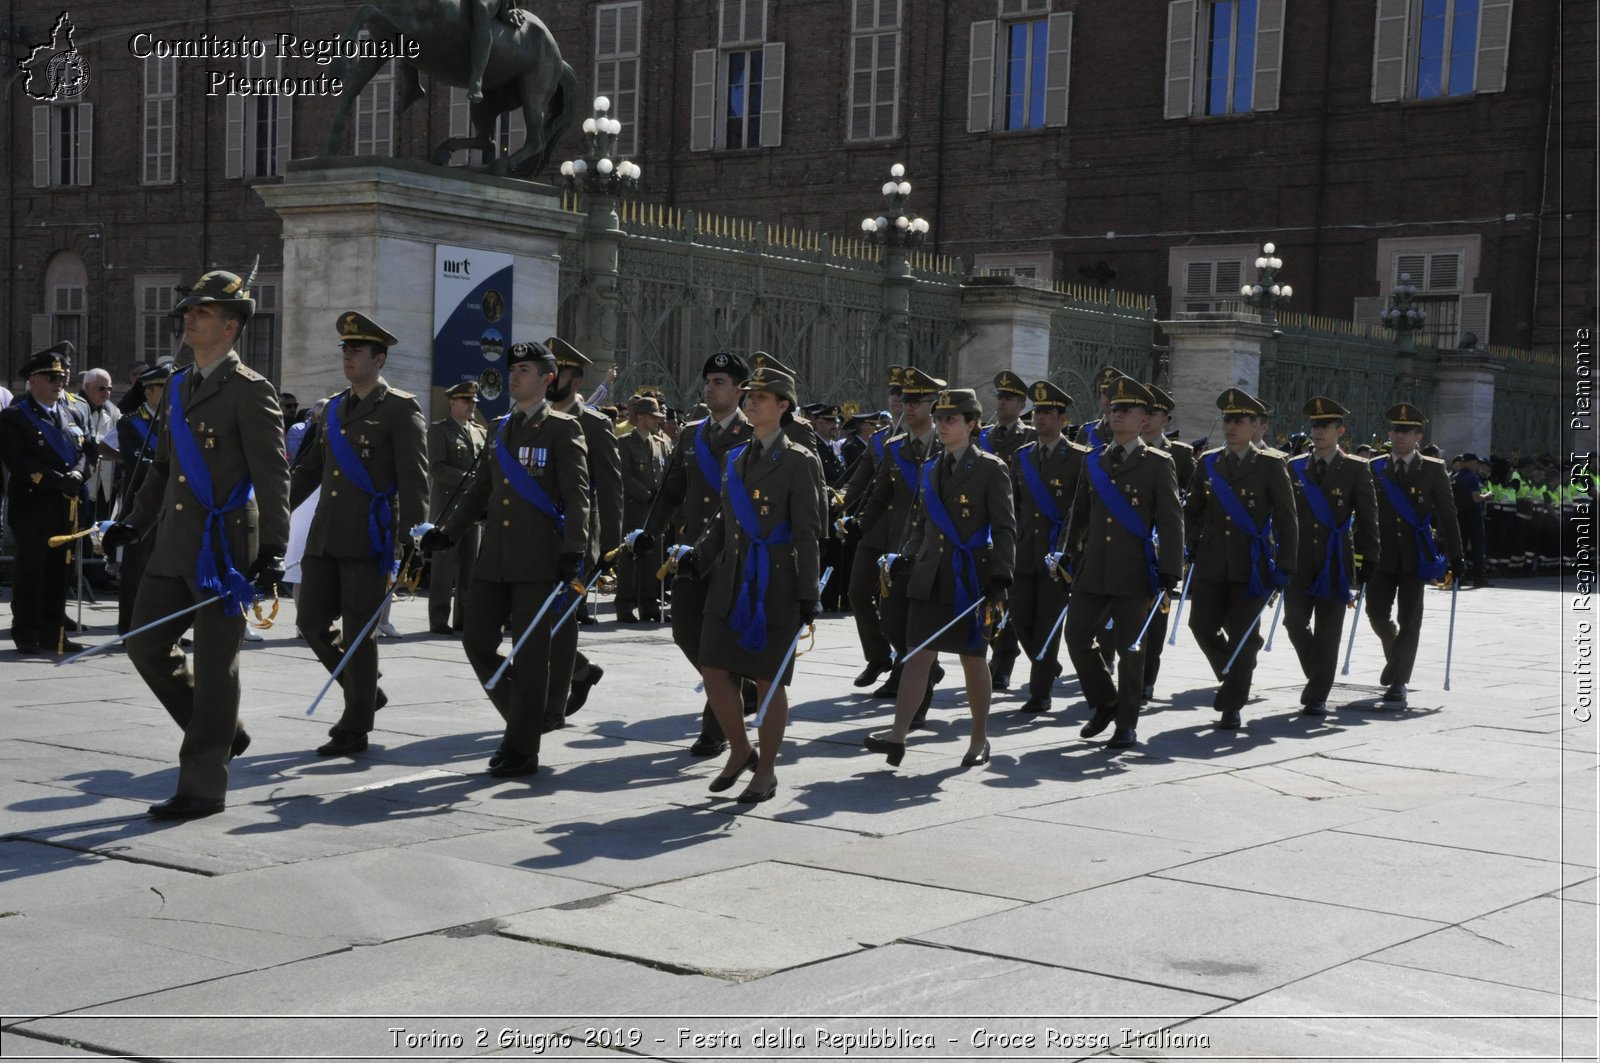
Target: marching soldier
{"x":455,"y":443}
{"x":226,"y":500}
{"x":573,"y":669}
{"x":1095,"y":434}
{"x":138,"y":451}
{"x":533,"y":497}
{"x":825,"y":421}
{"x":762,"y":555}
{"x":1416,"y":516}
{"x":1155,"y":437}
{"x":1261,"y":438}
{"x":693,"y":481}
{"x":1123,"y":546}
{"x":959,"y":550}
{"x":371,"y":463}
{"x":859,"y":479}
{"x":880,"y":622}
{"x":48,"y":450}
{"x":1008,"y":432}
{"x":1044,"y":478}
{"x":644,"y":462}
{"x":1336,"y":503}
{"x":1240,"y":519}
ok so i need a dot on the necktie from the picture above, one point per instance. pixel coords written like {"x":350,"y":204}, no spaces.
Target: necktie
{"x":916,"y":450}
{"x":754,"y":457}
{"x":195,"y":380}
{"x":1232,"y":463}
{"x":1116,"y":455}
{"x":1321,"y":468}
{"x":949,"y":467}
{"x":713,"y":433}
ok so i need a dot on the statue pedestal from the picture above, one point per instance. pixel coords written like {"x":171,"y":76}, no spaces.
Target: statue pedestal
{"x":1461,"y":419}
{"x":362,"y":233}
{"x":1212,"y":352}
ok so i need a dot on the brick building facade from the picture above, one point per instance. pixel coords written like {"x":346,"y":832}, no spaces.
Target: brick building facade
{"x":1163,"y":140}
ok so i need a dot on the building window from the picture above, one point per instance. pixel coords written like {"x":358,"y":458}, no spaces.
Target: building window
{"x":1425,"y":49}
{"x":374,"y":125}
{"x":63,"y":144}
{"x":1223,"y":56}
{"x":1207,"y":279}
{"x":1444,"y":270}
{"x":875,"y":69}
{"x":737,"y":97}
{"x":156,"y":295}
{"x":160,"y":120}
{"x":260,"y":128}
{"x":1019,"y":68}
{"x":67,"y":318}
{"x":616,"y":68}
{"x":1025,"y":266}
{"x":259,"y":343}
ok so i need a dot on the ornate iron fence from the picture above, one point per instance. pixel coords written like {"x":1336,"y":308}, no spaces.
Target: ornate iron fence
{"x":1099,"y":326}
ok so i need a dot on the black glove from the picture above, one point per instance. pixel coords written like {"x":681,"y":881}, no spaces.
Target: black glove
{"x":853,"y":529}
{"x":642,"y":544}
{"x":434,"y":540}
{"x":997,"y":588}
{"x":118,"y":535}
{"x":899,"y":566}
{"x":570,"y":567}
{"x":71,"y":483}
{"x":810,"y":611}
{"x":266,"y":571}
{"x":1458,"y":568}
{"x":1169,"y":583}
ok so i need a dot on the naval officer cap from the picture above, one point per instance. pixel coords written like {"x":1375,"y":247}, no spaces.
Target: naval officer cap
{"x":723,"y":362}
{"x":1321,"y":409}
{"x":356,"y":327}
{"x":1049,"y":396}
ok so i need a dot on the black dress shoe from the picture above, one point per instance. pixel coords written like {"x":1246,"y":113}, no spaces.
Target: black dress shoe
{"x":29,"y":648}
{"x":241,"y":742}
{"x":182,"y":806}
{"x":650,"y":616}
{"x":1318,"y":709}
{"x":972,"y":760}
{"x":891,"y":686}
{"x":439,"y":629}
{"x":1037,"y":703}
{"x":342,"y":744}
{"x":625,"y":616}
{"x":1148,"y":693}
{"x":514,"y":764}
{"x":894,"y":751}
{"x":1395,"y":695}
{"x":1230,"y":720}
{"x":585,"y":619}
{"x":380,"y":700}
{"x":1123,"y":738}
{"x":725,"y":782}
{"x":1000,"y":680}
{"x":69,"y":624}
{"x":549,"y":724}
{"x":68,"y":646}
{"x":869,"y":675}
{"x":707,"y":746}
{"x":1098,"y":722}
{"x":581,"y":688}
{"x":752,"y":796}
{"x":498,"y":756}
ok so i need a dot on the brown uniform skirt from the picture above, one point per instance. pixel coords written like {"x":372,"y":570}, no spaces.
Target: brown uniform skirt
{"x":719,"y":644}
{"x":928,"y":617}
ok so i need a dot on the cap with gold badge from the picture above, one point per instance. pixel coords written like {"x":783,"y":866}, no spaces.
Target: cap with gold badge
{"x":1404,"y":415}
{"x":773,"y":381}
{"x":763,"y":360}
{"x":958,"y":400}
{"x":467,"y":389}
{"x":1162,"y":401}
{"x":356,"y":327}
{"x":1237,"y":400}
{"x":1322,"y":408}
{"x":1048,"y":396}
{"x":1008,"y":383}
{"x":1105,"y":376}
{"x":217,"y":286}
{"x":566,"y":355}
{"x":897,"y":374}
{"x":917,"y":384}
{"x":1126,"y":391}
{"x":51,"y":360}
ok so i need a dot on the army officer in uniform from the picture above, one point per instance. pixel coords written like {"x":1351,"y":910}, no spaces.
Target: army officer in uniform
{"x":644,"y":460}
{"x":455,"y":445}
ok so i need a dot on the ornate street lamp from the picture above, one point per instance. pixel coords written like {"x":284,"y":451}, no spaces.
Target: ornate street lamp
{"x":896,"y":227}
{"x":599,"y":171}
{"x":1266,"y":294}
{"x":1403,"y":318}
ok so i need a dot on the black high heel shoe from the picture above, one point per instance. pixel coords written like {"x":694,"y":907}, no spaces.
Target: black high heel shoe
{"x":972,"y":760}
{"x":894,"y":751}
{"x":725,"y":782}
{"x":752,"y":796}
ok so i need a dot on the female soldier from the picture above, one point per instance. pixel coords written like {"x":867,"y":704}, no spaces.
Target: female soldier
{"x":762,"y":556}
{"x":960,"y":549}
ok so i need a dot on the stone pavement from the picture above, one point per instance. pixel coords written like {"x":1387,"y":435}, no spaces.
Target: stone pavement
{"x":1373,"y":885}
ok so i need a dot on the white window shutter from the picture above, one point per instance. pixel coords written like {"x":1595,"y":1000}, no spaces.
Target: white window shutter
{"x":703,"y":101}
{"x":1269,"y":55}
{"x":1444,"y":273}
{"x":41,"y":158}
{"x":980,"y":78}
{"x":1367,"y":310}
{"x":755,"y":20}
{"x":1180,"y":59}
{"x":1230,"y":276}
{"x":1413,"y":267}
{"x":1494,"y":45}
{"x":771,"y":95}
{"x":1474,"y":317}
{"x":732,"y":22}
{"x":233,"y":157}
{"x":284,"y":133}
{"x":605,"y":31}
{"x":1197,"y":278}
{"x":85,"y":152}
{"x":1058,"y":69}
{"x":1389,"y":50}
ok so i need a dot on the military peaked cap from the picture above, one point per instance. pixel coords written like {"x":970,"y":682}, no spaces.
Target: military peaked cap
{"x":644,"y":404}
{"x":1237,"y":400}
{"x":1405,"y":415}
{"x":914,"y":381}
{"x":1126,"y":391}
{"x":763,"y":360}
{"x":1105,"y":376}
{"x":356,"y":327}
{"x":50,"y":361}
{"x":1322,"y":408}
{"x":467,"y":389}
{"x":897,"y":377}
{"x":773,"y":381}
{"x":959,"y":400}
{"x":1163,"y":401}
{"x":1049,"y":396}
{"x":1008,"y":383}
{"x":566,"y":355}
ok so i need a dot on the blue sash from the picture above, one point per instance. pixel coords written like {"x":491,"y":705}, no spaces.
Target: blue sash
{"x":750,"y":610}
{"x":1093,"y":440}
{"x":908,"y":468}
{"x":963,"y":560}
{"x":526,"y":487}
{"x":54,"y":436}
{"x":1260,"y":538}
{"x":878,"y":438}
{"x":224,"y":579}
{"x":703,"y":455}
{"x":1430,"y":563}
{"x":1042,"y":498}
{"x":380,"y":512}
{"x":1331,"y":577}
{"x":1123,"y":512}
{"x":983,"y":440}
{"x":141,"y":427}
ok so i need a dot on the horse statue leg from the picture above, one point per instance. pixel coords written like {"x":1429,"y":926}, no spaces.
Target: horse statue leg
{"x":374,"y":21}
{"x":549,"y":104}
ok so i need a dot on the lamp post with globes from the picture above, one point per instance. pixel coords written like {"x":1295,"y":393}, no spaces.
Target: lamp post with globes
{"x":600,"y":180}
{"x":899,"y":231}
{"x":1266,"y":294}
{"x":1402,"y":317}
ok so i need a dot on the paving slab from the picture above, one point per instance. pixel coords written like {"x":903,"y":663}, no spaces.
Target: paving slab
{"x":1577,"y":792}
{"x":1383,"y":875}
{"x":1004,"y":856}
{"x":1583,"y":891}
{"x":35,"y":877}
{"x":1544,"y":944}
{"x":1540,"y":832}
{"x":1453,"y":753}
{"x":742,"y":923}
{"x":1199,"y":938}
{"x":36,"y":809}
{"x":1376,"y":1011}
{"x":640,"y":847}
{"x":1377,"y":786}
{"x":433,"y":988}
{"x":45,"y":722}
